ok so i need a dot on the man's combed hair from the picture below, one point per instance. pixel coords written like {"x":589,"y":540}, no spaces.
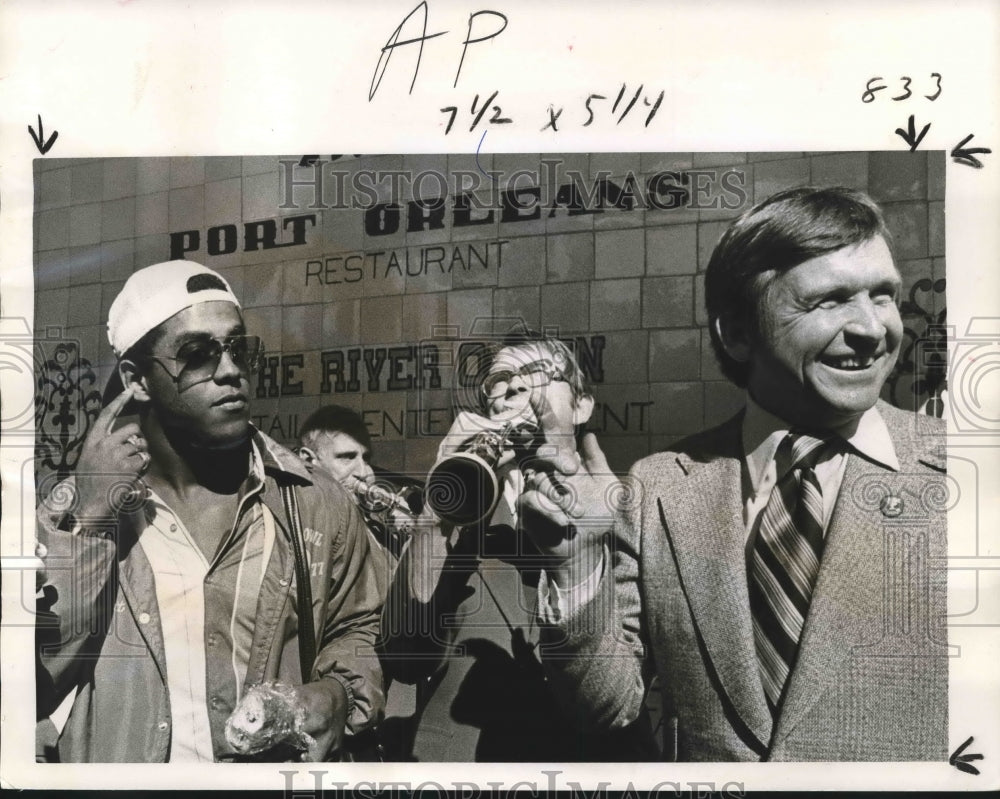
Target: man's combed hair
{"x":334,"y":419}
{"x":783,"y":231}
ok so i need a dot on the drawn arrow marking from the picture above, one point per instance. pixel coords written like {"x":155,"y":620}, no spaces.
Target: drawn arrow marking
{"x":910,"y":135}
{"x":957,"y":759}
{"x":966,"y":156}
{"x":39,"y":138}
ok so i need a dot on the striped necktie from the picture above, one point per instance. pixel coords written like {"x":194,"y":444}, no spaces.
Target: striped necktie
{"x":786,"y":556}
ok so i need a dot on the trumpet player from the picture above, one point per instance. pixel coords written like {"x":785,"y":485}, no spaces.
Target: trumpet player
{"x":335,"y":439}
{"x":460,"y":619}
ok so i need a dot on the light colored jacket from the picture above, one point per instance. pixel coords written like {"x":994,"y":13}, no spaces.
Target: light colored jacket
{"x":101,"y":635}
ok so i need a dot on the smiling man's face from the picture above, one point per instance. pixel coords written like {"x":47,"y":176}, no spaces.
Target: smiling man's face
{"x":829,"y":335}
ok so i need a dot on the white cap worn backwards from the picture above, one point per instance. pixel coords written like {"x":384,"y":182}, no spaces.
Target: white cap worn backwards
{"x":154,"y":294}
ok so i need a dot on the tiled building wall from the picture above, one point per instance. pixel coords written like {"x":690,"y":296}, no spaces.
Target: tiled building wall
{"x":634,"y":277}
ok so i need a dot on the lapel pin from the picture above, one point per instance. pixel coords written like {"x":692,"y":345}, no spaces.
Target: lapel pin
{"x":892,"y":506}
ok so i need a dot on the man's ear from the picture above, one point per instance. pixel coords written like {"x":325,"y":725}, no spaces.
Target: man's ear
{"x":583,"y":408}
{"x":308,"y":457}
{"x":132,"y":376}
{"x":735,"y":337}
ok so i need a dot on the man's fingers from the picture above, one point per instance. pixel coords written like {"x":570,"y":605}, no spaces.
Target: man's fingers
{"x":126,"y":442}
{"x":128,"y":434}
{"x":565,"y":459}
{"x":558,"y":496}
{"x":107,"y":417}
{"x":593,"y":455}
{"x":560,"y":443}
{"x":541,"y":408}
{"x":554,"y":456}
{"x":537,"y":502}
{"x":318,"y":751}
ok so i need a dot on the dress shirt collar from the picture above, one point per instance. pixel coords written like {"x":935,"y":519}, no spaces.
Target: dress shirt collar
{"x":763,"y":431}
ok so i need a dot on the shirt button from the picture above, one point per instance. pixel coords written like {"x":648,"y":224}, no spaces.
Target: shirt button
{"x":143,"y":618}
{"x":173,"y":528}
{"x":283,"y":582}
{"x":162,"y":725}
{"x":216,"y":702}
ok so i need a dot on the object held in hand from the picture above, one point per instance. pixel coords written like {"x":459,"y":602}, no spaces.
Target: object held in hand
{"x":463,"y":488}
{"x":266,"y":717}
{"x":388,"y":505}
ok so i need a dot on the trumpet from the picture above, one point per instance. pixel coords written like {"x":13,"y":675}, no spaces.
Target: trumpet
{"x":463,"y":488}
{"x":389,"y":505}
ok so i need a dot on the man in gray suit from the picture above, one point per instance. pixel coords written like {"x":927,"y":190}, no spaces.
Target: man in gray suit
{"x":781,"y":572}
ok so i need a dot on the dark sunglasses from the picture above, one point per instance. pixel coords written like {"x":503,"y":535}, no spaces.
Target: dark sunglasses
{"x":200,"y":359}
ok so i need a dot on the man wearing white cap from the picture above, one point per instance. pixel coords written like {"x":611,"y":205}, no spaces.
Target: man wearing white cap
{"x":182,"y":552}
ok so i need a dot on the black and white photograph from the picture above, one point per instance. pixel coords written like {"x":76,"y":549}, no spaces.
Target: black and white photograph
{"x":506,"y":349}
{"x":608,"y":463}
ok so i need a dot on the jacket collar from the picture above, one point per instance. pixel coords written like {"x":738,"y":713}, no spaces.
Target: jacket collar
{"x":278,"y":460}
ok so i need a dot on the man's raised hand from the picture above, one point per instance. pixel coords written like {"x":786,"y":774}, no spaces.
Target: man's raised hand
{"x":568,"y":506}
{"x":109,"y":461}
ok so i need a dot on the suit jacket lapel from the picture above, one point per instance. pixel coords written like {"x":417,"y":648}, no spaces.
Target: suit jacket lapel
{"x":702,"y":514}
{"x":847,"y":598}
{"x":847,"y":607}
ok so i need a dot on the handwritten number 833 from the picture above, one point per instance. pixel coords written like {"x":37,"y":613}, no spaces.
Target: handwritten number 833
{"x":871,"y":87}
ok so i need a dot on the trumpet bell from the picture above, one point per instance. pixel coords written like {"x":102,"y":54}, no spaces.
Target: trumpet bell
{"x":382,"y":495}
{"x":462,"y":489}
{"x":388,"y":505}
